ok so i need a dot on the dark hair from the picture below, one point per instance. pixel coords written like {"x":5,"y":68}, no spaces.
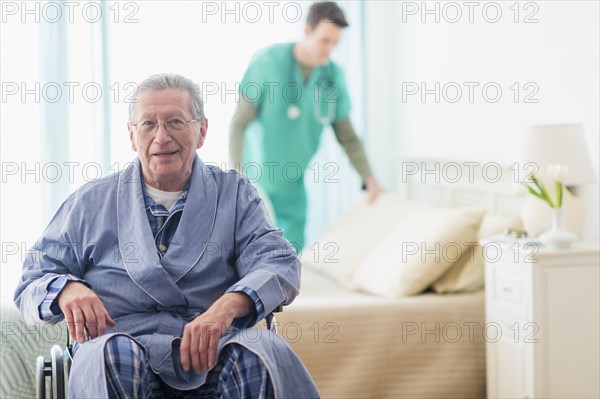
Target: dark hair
{"x":326,"y":10}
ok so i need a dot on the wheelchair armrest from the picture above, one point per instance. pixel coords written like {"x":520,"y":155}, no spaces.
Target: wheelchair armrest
{"x":271,"y":325}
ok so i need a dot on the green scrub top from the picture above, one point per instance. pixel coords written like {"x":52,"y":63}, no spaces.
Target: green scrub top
{"x":279,"y":146}
{"x":281,"y":141}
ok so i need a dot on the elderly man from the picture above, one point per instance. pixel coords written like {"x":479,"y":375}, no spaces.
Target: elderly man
{"x":161,"y":269}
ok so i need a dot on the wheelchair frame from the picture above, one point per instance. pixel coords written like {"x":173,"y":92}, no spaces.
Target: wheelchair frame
{"x":56,"y":368}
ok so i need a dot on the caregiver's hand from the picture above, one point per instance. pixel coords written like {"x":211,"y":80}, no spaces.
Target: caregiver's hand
{"x":373,"y":188}
{"x":201,"y":336}
{"x":83,"y":309}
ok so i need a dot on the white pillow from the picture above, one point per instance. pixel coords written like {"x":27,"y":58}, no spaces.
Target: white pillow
{"x":423,"y":244}
{"x":468,"y":274}
{"x":341,"y":248}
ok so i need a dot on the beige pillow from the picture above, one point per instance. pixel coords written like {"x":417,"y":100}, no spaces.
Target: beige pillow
{"x":339,"y":250}
{"x":465,"y":276}
{"x":468,"y":274}
{"x":422,"y":245}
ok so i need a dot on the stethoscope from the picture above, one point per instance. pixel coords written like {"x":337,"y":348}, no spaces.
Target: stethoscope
{"x":293,"y":111}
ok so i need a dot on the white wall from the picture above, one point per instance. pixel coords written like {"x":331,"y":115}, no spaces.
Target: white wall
{"x":558,"y":56}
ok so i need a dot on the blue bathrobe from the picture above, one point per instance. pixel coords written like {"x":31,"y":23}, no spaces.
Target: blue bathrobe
{"x":101,"y":235}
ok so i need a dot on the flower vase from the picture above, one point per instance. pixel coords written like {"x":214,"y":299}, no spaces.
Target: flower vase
{"x":558,"y":237}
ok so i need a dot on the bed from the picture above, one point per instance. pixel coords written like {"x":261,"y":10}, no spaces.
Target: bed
{"x":360,"y":346}
{"x":356,"y":338}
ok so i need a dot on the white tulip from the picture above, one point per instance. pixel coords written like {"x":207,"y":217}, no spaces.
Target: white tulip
{"x":558,"y":172}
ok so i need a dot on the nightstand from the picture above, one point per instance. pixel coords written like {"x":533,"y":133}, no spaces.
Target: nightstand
{"x":542,"y":320}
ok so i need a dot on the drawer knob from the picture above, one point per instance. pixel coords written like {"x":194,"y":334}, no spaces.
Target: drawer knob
{"x":508,"y":290}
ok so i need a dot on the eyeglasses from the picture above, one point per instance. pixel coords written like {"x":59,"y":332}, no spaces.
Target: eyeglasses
{"x":174,"y":125}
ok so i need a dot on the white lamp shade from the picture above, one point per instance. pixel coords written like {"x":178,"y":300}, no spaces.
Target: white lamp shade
{"x":559,"y":144}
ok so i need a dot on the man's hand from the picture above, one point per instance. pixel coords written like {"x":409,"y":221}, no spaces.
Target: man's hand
{"x":373,"y":188}
{"x":201,"y":336}
{"x":82,"y":308}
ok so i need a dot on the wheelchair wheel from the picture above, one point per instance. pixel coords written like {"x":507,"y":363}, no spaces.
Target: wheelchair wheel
{"x":58,"y":373}
{"x":40,"y":378}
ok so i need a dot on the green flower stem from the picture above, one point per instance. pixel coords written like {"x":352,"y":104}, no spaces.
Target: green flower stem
{"x":532,"y":191}
{"x":559,"y":194}
{"x":539,"y":190}
{"x":542,"y":189}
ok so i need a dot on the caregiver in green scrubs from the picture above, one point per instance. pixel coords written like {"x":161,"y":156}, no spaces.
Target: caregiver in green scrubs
{"x":288,"y":94}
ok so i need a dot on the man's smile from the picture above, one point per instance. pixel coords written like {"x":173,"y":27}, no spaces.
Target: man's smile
{"x":165,"y":154}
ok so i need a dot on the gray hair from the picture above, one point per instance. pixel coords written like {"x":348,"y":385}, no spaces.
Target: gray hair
{"x":164,"y":81}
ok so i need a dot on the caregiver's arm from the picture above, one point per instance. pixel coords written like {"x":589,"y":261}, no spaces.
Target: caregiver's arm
{"x":346,"y":136}
{"x":245,"y":113}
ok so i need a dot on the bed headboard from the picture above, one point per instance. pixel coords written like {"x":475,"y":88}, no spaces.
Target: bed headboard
{"x":459,"y":183}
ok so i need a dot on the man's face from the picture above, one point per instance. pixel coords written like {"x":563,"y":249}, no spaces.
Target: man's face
{"x":322,"y":39}
{"x":166,"y":156}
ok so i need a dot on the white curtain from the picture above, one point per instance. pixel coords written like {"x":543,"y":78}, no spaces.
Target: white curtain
{"x":54,"y":112}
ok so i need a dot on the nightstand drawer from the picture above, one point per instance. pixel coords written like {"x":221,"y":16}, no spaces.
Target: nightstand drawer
{"x":508,"y":288}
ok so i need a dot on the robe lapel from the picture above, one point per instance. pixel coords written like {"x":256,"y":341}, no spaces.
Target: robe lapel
{"x":196,"y":224}
{"x":136,"y":244}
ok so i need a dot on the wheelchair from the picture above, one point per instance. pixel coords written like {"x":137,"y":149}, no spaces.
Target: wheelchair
{"x":57,"y":368}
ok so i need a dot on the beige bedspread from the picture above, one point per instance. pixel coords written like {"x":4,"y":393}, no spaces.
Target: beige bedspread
{"x":360,"y":346}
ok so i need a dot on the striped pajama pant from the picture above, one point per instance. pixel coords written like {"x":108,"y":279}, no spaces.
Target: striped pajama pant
{"x":238,"y":373}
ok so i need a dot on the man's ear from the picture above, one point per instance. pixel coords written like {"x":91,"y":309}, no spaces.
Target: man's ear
{"x":307,"y":30}
{"x":203,"y":130}
{"x":130,"y":128}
